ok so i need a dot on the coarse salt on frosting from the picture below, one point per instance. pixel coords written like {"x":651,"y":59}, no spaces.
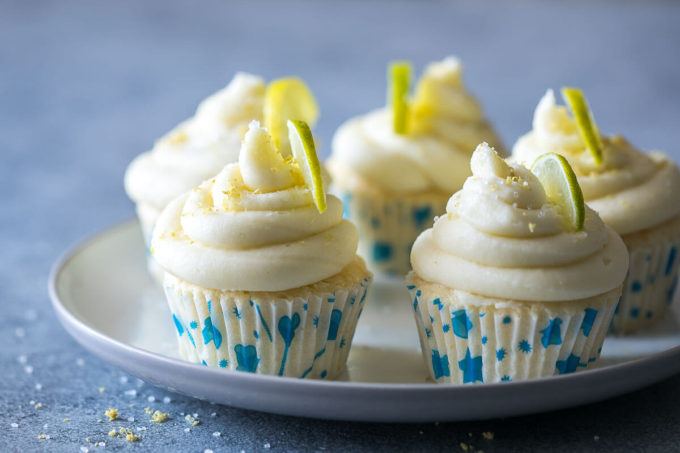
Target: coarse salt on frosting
{"x":501,"y":237}
{"x":254,"y":227}
{"x":630,"y":190}
{"x":199,"y":147}
{"x":446,"y":125}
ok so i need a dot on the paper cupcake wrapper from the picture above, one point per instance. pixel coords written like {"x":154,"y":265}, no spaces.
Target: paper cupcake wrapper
{"x":296,"y":337}
{"x":147,"y":216}
{"x":388,"y":228}
{"x":650,"y":285}
{"x":465,"y":343}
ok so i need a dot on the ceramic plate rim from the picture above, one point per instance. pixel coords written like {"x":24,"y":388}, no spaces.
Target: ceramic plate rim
{"x":76,"y":327}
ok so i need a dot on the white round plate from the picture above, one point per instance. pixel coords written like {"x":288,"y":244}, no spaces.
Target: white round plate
{"x":105,"y":299}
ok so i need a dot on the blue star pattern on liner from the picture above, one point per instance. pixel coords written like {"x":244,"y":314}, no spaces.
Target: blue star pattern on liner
{"x":223,"y":363}
{"x":506,"y":378}
{"x":427,"y":332}
{"x":331,"y":300}
{"x":649,"y":314}
{"x":264,"y":323}
{"x":304,"y":307}
{"x":421,"y":214}
{"x":484,"y":340}
{"x":569,"y":364}
{"x":552,"y":334}
{"x":446,"y":328}
{"x":193,"y":324}
{"x":438,"y":303}
{"x":588,"y":320}
{"x":203,"y":363}
{"x":316,"y":321}
{"x":636,"y":287}
{"x":287,"y":327}
{"x":671,"y":261}
{"x":440,"y":364}
{"x":524,"y":346}
{"x":237,"y":313}
{"x":342,"y":343}
{"x":346,"y":198}
{"x":500,"y":354}
{"x":336,"y":317}
{"x":382,"y":251}
{"x":375,"y":223}
{"x":323,"y":374}
{"x":256,"y":334}
{"x":246,"y":357}
{"x":178,"y":325}
{"x":471,"y":368}
{"x":415,"y":303}
{"x":461,"y":323}
{"x":507,"y":320}
{"x":211,"y":333}
{"x":634,"y":312}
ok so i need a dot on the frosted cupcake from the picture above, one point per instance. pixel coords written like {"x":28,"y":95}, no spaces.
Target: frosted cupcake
{"x":257,"y":279}
{"x":197,"y":149}
{"x":635,"y":193}
{"x":395,"y":167}
{"x":504,"y":288}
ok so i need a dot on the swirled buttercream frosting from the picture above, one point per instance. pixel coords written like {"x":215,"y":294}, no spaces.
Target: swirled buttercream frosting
{"x":254,"y":227}
{"x":446,"y":124}
{"x":501,"y":237}
{"x":200,"y":146}
{"x":630,"y":190}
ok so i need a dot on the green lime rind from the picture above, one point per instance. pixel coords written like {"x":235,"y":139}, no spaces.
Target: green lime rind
{"x":304,"y":152}
{"x":561,"y":186}
{"x":399,"y":81}
{"x":585,"y":121}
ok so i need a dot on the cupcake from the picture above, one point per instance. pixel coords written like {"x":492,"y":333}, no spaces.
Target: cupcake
{"x":635,"y":193}
{"x":393,"y":183}
{"x":256,"y":278}
{"x":503,"y":286}
{"x":198,"y":148}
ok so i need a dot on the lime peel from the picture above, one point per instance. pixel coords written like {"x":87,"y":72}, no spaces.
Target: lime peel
{"x":561,"y":186}
{"x":584,"y":120}
{"x":399,"y":80}
{"x":284,"y":99}
{"x":304,"y":153}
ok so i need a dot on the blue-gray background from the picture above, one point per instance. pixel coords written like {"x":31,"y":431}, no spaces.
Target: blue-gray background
{"x":87,"y":85}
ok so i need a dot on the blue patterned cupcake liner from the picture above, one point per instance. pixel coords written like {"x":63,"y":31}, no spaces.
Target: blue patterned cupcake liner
{"x":467,"y":338}
{"x":302,"y":333}
{"x":652,"y":278}
{"x":389,"y":226}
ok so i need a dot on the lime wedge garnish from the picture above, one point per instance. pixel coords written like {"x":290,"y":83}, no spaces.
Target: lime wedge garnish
{"x":284,"y":99}
{"x":304,"y":152}
{"x":398,"y":81}
{"x":585,"y":121}
{"x":561,"y":186}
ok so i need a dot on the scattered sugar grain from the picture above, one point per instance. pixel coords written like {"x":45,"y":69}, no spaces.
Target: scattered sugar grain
{"x":596,"y":438}
{"x":123,"y":379}
{"x":131,"y":419}
{"x":151,"y":399}
{"x":214,"y":414}
{"x":20,"y":332}
{"x":267,"y":445}
{"x":22,"y":359}
{"x":207,"y":450}
{"x":141,"y":428}
{"x":28,"y":369}
{"x":14,"y":425}
{"x":38,"y":386}
{"x":186,"y":430}
{"x":80,"y":362}
{"x":217,"y":434}
{"x":131,"y":392}
{"x":166,"y":399}
{"x":84,"y":449}
{"x":31,"y":315}
{"x":32,"y":402}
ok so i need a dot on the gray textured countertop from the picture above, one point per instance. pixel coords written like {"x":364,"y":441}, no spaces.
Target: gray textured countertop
{"x":86,"y":86}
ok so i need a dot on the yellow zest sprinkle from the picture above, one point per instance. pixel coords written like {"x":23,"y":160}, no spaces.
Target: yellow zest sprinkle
{"x":111,"y":413}
{"x":192,"y":420}
{"x":177,"y":137}
{"x":101,"y":389}
{"x":488,"y":435}
{"x":464,"y":446}
{"x":38,"y":406}
{"x":129,"y":435}
{"x":532,"y":226}
{"x":112,"y":433}
{"x":67,"y":419}
{"x":42,"y":436}
{"x":159,"y":417}
{"x":148,"y":411}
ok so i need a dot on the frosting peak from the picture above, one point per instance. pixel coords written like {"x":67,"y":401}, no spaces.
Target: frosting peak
{"x":630,"y":189}
{"x":447,"y":123}
{"x":501,"y":237}
{"x":254,"y":227}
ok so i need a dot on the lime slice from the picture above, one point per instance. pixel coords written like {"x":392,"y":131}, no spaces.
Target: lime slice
{"x":585,"y":121}
{"x":561,"y":186}
{"x":284,"y":99}
{"x":304,"y":152}
{"x":398,"y":81}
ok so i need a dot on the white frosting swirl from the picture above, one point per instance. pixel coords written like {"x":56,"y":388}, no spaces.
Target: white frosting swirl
{"x":254,"y":227}
{"x":630,"y":190}
{"x":199,"y":147}
{"x":446,"y":125}
{"x":502,"y":238}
